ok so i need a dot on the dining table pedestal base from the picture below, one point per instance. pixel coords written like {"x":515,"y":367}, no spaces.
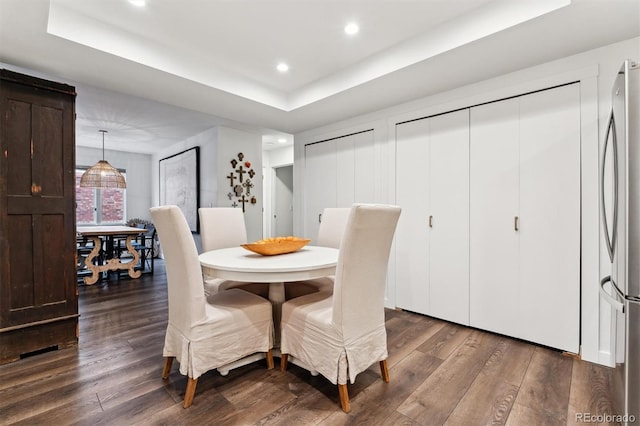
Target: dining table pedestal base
{"x":277,"y":298}
{"x":113,"y":264}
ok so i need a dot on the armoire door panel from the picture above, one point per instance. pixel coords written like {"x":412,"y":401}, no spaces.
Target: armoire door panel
{"x":449,"y":211}
{"x":21,"y":272}
{"x":550,"y":217}
{"x":412,"y":232}
{"x":53,"y":272}
{"x":18,"y":146}
{"x":494,"y":189}
{"x":48,"y":151}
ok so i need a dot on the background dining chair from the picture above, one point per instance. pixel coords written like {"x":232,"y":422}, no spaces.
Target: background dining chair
{"x":330,"y":232}
{"x":224,"y":227}
{"x":204,"y":334}
{"x":341,"y":335}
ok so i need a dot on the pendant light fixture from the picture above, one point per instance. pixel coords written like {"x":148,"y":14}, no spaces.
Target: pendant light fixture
{"x":102,"y":174}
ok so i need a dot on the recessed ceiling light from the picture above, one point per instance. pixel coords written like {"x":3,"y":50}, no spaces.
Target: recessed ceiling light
{"x":282,"y":67}
{"x":139,"y":3}
{"x":351,"y":28}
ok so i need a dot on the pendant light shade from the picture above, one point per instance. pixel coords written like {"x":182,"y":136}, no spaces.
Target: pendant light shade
{"x":102,"y":174}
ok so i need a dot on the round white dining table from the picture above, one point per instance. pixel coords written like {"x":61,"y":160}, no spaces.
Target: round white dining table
{"x":239,"y":264}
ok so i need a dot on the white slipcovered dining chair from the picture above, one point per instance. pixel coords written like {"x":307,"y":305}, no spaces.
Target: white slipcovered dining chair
{"x":342,"y":334}
{"x":205,"y":333}
{"x":224,"y":227}
{"x":330,"y":232}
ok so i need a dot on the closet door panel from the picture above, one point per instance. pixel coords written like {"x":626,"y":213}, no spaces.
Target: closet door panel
{"x":550,"y":217}
{"x":493,"y":206}
{"x":449,"y":202}
{"x":346,"y":171}
{"x":320,"y":183}
{"x":364,"y":165}
{"x":412,"y":189}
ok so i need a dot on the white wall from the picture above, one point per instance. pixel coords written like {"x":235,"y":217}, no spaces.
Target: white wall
{"x":231,"y":142}
{"x":208,"y":143}
{"x":270,"y":160}
{"x":138,"y":168}
{"x":595,"y":69}
{"x":218,"y":146}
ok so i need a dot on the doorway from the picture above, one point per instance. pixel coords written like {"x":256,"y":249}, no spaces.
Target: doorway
{"x":282,"y":220}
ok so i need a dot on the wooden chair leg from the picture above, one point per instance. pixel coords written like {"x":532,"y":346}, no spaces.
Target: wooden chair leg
{"x":284,"y":358}
{"x":269,"y":360}
{"x":190,"y":392}
{"x":168,"y":362}
{"x":384,"y":371}
{"x":344,"y":398}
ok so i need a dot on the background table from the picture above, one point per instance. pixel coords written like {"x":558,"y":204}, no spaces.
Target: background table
{"x":94,"y":233}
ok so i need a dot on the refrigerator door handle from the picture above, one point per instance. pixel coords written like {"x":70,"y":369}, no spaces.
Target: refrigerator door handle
{"x":616,"y":304}
{"x":610,"y":238}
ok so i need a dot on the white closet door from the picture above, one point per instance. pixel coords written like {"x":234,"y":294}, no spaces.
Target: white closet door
{"x":364,"y":165}
{"x":493,"y":207}
{"x":412,"y":244}
{"x":320,"y":179}
{"x":346,"y":171}
{"x":449,"y":202}
{"x":550,"y":217}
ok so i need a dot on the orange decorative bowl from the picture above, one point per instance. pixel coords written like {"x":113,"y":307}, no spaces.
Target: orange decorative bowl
{"x":277,"y":245}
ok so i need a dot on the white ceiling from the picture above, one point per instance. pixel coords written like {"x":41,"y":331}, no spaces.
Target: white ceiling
{"x":187,"y":65}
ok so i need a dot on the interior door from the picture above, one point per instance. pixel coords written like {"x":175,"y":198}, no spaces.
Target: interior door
{"x":283,"y":201}
{"x":365,"y":167}
{"x":346,"y":170}
{"x":412,"y":232}
{"x":549,"y":226}
{"x":449,"y":217}
{"x":320,"y":184}
{"x":494,"y":189}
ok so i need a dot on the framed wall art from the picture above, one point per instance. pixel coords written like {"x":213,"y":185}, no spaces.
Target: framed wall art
{"x":180,"y":184}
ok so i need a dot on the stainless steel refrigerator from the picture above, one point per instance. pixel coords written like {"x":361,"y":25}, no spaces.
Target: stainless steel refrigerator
{"x":620,"y":223}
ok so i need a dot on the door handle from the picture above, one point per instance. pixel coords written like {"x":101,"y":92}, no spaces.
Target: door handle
{"x":610,"y":240}
{"x":320,"y":218}
{"x":617,"y":305}
{"x":430,"y":221}
{"x":516,"y":224}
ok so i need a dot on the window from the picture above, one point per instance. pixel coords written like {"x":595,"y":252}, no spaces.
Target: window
{"x":98,"y":206}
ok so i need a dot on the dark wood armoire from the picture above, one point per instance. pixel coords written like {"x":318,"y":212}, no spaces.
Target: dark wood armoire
{"x":38,"y":291}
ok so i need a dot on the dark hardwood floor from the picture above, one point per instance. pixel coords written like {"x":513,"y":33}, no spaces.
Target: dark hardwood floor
{"x":441,"y":373}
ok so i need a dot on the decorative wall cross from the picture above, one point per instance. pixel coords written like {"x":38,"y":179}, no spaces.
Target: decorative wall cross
{"x":231,"y":178}
{"x":248,"y":185}
{"x":241,"y":191}
{"x":243,"y":201}
{"x":240,"y":172}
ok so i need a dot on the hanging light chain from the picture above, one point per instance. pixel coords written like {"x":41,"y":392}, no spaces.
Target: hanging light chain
{"x":103,"y":132}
